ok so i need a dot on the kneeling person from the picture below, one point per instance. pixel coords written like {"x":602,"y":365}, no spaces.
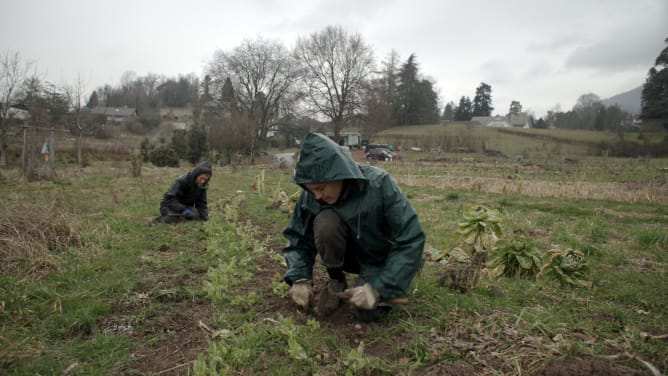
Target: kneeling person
{"x":186,"y":197}
{"x":358,"y":221}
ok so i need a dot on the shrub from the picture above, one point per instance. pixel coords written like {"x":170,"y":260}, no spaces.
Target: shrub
{"x":164,"y":156}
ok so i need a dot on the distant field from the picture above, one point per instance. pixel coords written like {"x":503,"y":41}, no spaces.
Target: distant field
{"x":544,"y":143}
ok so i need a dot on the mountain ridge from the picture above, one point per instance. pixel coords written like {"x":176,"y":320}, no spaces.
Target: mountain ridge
{"x":628,"y":101}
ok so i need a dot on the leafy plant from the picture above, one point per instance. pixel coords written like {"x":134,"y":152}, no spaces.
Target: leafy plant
{"x":476,"y":235}
{"x":445,"y":256}
{"x":567,"y":266}
{"x":514,"y":258}
{"x":481,"y":227}
{"x":355,"y":361}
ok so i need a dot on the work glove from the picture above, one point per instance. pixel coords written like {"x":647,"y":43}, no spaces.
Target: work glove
{"x":188,"y":213}
{"x":301,"y":293}
{"x":363,"y":297}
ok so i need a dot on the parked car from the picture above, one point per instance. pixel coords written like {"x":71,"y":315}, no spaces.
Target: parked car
{"x":380,"y":154}
{"x":368,"y":147}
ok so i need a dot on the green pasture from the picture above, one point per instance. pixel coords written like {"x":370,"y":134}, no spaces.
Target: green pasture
{"x":101,"y":305}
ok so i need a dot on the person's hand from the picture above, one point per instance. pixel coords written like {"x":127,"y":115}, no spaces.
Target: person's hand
{"x":301,"y":293}
{"x":188,"y":213}
{"x":363,"y":297}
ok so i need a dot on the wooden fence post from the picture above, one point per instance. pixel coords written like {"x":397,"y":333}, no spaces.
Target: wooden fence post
{"x":24,"y":154}
{"x":52,"y":155}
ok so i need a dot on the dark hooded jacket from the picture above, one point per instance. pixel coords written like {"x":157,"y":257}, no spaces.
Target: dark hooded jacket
{"x":184,"y":192}
{"x":379,"y":216}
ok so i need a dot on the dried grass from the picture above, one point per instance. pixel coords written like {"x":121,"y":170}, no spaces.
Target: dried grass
{"x":626,"y":192}
{"x":12,"y":352}
{"x":31,"y":238}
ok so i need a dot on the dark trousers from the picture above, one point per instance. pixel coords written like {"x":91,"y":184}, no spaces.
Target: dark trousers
{"x":335,"y":244}
{"x":168,"y":216}
{"x":339,"y":252}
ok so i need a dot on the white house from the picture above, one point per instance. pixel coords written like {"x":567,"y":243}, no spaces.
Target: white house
{"x":491,"y":121}
{"x":17,"y":113}
{"x":521,"y":120}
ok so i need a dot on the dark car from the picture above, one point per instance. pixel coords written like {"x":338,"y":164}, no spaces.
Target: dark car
{"x":368,"y":147}
{"x":380,"y":154}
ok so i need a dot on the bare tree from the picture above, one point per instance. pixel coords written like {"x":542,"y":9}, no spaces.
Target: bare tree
{"x":150,"y":84}
{"x":263,"y":74}
{"x":391,"y":68}
{"x":336,"y":66}
{"x":378,"y":110}
{"x":13,"y":72}
{"x":75,"y":94}
{"x":586,"y":108}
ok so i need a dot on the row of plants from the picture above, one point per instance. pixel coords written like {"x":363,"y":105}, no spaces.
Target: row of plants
{"x":245,"y":341}
{"x":481,"y":243}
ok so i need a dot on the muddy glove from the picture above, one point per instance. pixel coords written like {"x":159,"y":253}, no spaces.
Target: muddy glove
{"x":188,"y":213}
{"x":363,"y":297}
{"x":301,"y":293}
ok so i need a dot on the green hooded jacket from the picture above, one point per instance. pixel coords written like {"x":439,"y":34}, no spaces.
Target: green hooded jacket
{"x":377,"y":213}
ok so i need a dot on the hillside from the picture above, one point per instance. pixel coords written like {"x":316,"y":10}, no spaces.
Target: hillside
{"x":537,"y":143}
{"x":628,"y":101}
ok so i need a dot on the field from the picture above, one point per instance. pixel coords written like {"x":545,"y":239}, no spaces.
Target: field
{"x":89,"y":286}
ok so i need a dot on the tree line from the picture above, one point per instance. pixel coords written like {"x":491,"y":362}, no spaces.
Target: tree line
{"x":246,"y":93}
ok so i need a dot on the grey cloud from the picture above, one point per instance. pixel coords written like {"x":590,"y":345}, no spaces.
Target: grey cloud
{"x":539,"y":69}
{"x":550,"y":45}
{"x":610,"y":56}
{"x":497,"y":72}
{"x":631,"y":46}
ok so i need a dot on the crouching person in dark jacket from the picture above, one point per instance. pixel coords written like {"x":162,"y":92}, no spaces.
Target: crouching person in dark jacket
{"x":358,"y":221}
{"x":186,"y":197}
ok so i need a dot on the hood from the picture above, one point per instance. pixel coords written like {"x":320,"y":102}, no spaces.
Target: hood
{"x":201,"y":168}
{"x":322,"y":160}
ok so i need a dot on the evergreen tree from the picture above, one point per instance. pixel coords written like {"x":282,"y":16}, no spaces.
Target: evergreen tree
{"x":176,"y":93}
{"x":449,"y":111}
{"x":425,"y":109}
{"x":408,"y":83}
{"x":180,"y":143}
{"x":227,"y":97}
{"x":197,"y":146}
{"x":540,"y":124}
{"x":482,"y":102}
{"x":93,"y":101}
{"x":418,"y":102}
{"x":206,"y":90}
{"x":464,"y":111}
{"x":515,"y":108}
{"x":654,"y":99}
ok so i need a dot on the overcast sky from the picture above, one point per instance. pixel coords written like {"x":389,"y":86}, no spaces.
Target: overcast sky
{"x":540,"y":53}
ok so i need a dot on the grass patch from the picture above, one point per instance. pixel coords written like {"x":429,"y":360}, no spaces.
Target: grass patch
{"x":125,"y":297}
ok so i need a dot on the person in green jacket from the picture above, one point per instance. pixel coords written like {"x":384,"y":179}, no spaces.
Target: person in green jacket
{"x":358,"y":221}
